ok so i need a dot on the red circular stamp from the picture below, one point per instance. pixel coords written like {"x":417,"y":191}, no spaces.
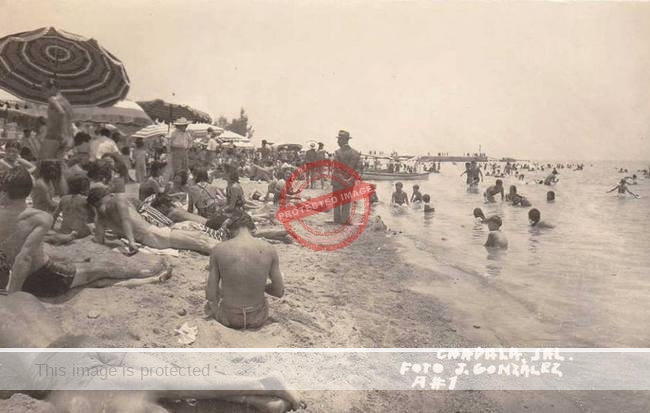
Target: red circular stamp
{"x":348,"y":203}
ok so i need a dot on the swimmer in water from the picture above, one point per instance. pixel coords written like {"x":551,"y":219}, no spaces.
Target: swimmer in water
{"x":550,"y":196}
{"x":623,"y":189}
{"x":416,"y":196}
{"x":478,"y":213}
{"x":517,"y":199}
{"x":534,"y":217}
{"x":467,"y":172}
{"x":399,"y":197}
{"x":427,"y":207}
{"x":493,"y":190}
{"x":496,"y":239}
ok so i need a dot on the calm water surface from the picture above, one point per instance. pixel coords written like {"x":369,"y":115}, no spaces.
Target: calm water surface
{"x":588,"y":278}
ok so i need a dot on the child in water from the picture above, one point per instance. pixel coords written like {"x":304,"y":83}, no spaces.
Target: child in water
{"x":399,"y":197}
{"x":534,"y":217}
{"x":427,"y":207}
{"x":516,"y":198}
{"x":493,"y":190}
{"x":76,"y":211}
{"x":416,"y":196}
{"x":623,"y":189}
{"x":496,"y":239}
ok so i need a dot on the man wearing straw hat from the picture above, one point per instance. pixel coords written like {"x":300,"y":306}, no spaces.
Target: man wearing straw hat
{"x":350,"y":157}
{"x":311,"y":156}
{"x":178,"y":145}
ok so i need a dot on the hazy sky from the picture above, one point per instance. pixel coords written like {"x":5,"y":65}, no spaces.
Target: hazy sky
{"x":534,"y":80}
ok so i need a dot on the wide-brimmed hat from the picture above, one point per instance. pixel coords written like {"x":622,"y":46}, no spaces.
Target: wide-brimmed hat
{"x":182,"y":121}
{"x":312,"y":145}
{"x":343,"y":134}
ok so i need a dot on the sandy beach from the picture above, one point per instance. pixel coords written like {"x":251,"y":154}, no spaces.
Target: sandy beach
{"x":369,"y":294}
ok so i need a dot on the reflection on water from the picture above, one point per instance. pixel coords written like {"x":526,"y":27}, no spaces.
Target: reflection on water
{"x":590,"y":271}
{"x":494,"y":261}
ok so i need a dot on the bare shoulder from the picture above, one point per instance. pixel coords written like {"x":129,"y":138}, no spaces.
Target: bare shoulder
{"x":35,"y":217}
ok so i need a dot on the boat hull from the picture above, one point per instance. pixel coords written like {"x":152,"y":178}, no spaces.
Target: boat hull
{"x":380,"y":176}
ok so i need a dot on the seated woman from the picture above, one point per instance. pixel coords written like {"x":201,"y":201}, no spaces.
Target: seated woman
{"x":100,"y":174}
{"x":77,"y":214}
{"x":47,"y":176}
{"x":13,"y":158}
{"x":154,"y":183}
{"x":119,"y":172}
{"x":205,"y":198}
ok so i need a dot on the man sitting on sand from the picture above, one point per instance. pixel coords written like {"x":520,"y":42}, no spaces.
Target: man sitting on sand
{"x":496,"y":239}
{"x":493,"y":190}
{"x":239,"y":270}
{"x":26,"y":323}
{"x":115,"y":212}
{"x":22,"y":233}
{"x":534,"y":217}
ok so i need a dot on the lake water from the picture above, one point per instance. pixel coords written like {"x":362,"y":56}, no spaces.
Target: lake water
{"x":585,"y":282}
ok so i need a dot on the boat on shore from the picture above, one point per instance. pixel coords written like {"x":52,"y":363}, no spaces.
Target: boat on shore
{"x":392,"y":176}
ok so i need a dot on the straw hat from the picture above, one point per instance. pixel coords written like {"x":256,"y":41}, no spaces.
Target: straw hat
{"x":182,"y":121}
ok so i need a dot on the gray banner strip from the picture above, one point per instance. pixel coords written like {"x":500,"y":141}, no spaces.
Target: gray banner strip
{"x":476,"y":369}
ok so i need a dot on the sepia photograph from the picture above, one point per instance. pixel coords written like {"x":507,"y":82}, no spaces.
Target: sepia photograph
{"x":324,"y":206}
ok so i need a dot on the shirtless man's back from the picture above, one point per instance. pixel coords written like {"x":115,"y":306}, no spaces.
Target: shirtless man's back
{"x":239,"y":269}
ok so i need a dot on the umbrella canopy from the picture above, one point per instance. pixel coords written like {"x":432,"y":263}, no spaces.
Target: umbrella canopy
{"x":231,"y":136}
{"x":169,"y":112}
{"x":124,"y":112}
{"x":201,"y":129}
{"x":289,"y":147}
{"x":245,"y":144}
{"x":86,"y":73}
{"x":152,"y":131}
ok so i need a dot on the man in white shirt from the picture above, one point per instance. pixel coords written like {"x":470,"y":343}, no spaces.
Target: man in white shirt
{"x":213,"y":145}
{"x":178,"y":145}
{"x":102,"y":144}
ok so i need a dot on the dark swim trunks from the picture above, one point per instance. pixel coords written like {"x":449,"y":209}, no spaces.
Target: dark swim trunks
{"x":51,"y":280}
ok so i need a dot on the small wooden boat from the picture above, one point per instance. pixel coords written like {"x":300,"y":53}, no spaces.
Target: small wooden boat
{"x":391,"y":176}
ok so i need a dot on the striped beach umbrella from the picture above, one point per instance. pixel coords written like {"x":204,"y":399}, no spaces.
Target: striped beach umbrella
{"x":87,"y":74}
{"x":151,"y":131}
{"x":169,"y":112}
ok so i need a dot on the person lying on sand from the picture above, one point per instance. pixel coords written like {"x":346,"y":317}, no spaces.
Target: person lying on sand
{"x":493,"y":190}
{"x":115,"y":212}
{"x":623,"y":189}
{"x":496,"y":239}
{"x":22,"y":234}
{"x":239,"y":270}
{"x":534,"y":217}
{"x":25,"y":322}
{"x":399,"y":197}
